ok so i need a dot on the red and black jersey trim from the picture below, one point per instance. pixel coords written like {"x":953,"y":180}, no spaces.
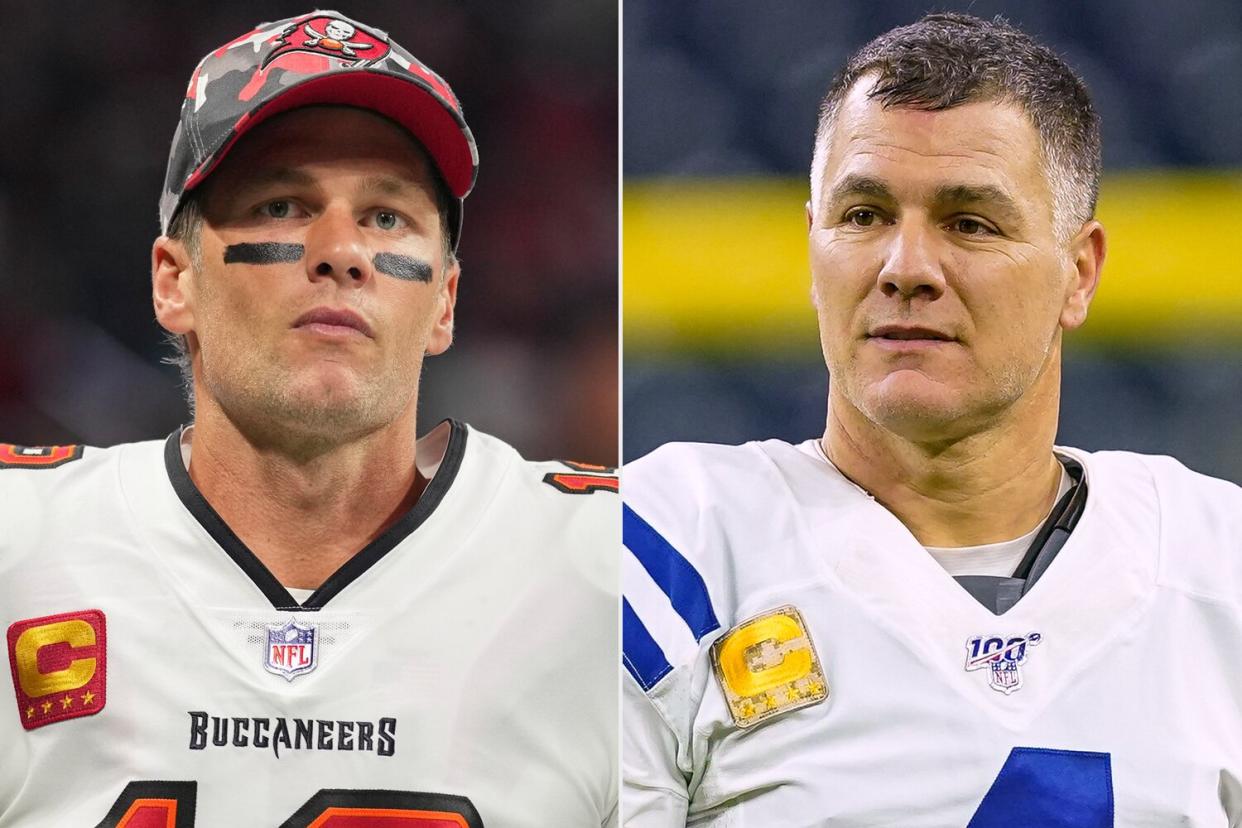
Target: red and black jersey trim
{"x":349,"y":571}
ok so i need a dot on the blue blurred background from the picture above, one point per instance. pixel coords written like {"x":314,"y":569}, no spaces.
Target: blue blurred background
{"x":720,"y":102}
{"x":91,"y":94}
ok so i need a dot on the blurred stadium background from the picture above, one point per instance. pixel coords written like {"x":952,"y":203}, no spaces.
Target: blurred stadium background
{"x":91,"y":97}
{"x":720,"y":100}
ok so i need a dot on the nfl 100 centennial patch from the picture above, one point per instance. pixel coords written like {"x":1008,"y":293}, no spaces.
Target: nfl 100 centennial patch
{"x":292,"y":649}
{"x":767,"y":665}
{"x":1002,"y":657}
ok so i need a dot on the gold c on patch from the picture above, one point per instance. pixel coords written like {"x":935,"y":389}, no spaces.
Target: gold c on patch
{"x":767,"y":666}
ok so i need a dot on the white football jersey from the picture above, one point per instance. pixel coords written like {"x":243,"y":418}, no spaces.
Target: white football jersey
{"x":794,"y":657}
{"x":459,"y":671}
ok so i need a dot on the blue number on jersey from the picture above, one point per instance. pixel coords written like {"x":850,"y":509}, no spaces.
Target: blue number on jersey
{"x":1051,"y":789}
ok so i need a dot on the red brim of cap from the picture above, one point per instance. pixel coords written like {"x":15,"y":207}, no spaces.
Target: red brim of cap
{"x":399,"y":98}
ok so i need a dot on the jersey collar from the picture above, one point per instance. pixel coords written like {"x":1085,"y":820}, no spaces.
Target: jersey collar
{"x":349,"y":571}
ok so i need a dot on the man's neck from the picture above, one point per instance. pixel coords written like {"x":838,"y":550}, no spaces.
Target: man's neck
{"x":991,"y":486}
{"x":304,"y":517}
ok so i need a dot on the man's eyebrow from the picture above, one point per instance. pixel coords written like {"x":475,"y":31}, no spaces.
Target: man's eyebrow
{"x":853,"y":186}
{"x":386,"y":184}
{"x":978,"y":194}
{"x":277,"y":175}
{"x":860,"y":185}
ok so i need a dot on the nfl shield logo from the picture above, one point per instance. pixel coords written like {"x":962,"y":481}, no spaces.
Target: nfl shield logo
{"x":1002,"y":658}
{"x":292,"y":649}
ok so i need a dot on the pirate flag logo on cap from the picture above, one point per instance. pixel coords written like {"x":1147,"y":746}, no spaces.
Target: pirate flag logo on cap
{"x":329,"y":36}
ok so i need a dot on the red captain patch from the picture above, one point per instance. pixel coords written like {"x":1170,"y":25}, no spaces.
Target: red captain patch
{"x":329,"y":36}
{"x":59,"y":666}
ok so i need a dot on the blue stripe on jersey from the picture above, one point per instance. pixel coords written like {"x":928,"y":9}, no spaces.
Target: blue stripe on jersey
{"x":641,"y":654}
{"x":680,"y":581}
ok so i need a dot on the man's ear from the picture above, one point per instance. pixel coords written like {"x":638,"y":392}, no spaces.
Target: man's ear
{"x":442,"y":327}
{"x":172,"y":278}
{"x":1087,"y":250}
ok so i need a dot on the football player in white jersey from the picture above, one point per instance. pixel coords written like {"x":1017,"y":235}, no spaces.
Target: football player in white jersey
{"x":931,"y":616}
{"x":295,"y":612}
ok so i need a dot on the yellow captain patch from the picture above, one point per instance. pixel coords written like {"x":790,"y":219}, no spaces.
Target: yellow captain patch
{"x":767,"y":666}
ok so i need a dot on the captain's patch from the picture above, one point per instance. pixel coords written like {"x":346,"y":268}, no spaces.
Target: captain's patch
{"x":59,"y":666}
{"x":767,"y":666}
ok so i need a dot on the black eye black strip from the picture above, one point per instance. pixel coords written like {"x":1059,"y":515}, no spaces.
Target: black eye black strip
{"x":402,"y":267}
{"x":262,"y":253}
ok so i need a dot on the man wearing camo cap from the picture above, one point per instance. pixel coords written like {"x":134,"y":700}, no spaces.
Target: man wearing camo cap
{"x":294,"y":611}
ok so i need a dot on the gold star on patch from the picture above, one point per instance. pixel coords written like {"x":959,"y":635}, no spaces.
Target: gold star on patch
{"x":88,"y":697}
{"x":66,"y":702}
{"x":47,"y":707}
{"x":29,"y":712}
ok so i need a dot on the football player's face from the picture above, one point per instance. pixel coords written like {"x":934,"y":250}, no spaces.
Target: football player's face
{"x":322,"y":280}
{"x":939,"y":282}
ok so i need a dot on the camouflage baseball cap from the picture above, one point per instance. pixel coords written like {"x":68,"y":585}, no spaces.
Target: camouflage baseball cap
{"x":318,"y":58}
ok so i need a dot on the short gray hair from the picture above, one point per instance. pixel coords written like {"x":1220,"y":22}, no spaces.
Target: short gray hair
{"x":947,"y":59}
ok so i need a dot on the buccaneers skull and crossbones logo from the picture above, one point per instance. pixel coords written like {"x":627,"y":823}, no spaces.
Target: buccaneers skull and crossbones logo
{"x":336,"y":38}
{"x":331,"y":37}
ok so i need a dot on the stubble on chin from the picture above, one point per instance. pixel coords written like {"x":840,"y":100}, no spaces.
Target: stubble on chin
{"x":924,"y":407}
{"x":276,"y":404}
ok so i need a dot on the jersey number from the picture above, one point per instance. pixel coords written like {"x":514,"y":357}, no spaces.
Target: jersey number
{"x":1049,"y":788}
{"x":586,"y":478}
{"x":171,"y":805}
{"x":37,"y":457}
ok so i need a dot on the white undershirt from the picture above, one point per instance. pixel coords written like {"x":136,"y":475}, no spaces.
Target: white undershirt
{"x":1000,"y":558}
{"x":994,"y":558}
